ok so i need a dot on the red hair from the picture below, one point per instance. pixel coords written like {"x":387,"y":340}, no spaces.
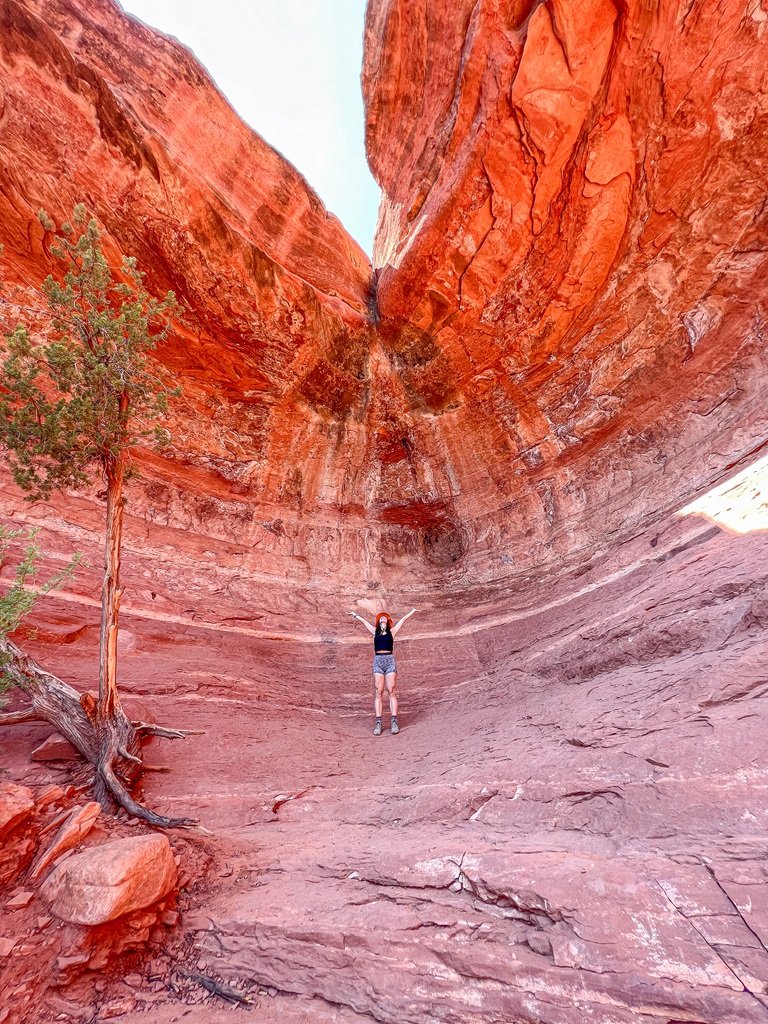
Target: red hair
{"x":384,"y":615}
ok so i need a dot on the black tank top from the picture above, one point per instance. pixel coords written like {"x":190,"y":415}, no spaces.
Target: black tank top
{"x":382,"y":643}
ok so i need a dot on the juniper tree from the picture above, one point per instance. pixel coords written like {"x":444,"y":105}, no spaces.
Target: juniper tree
{"x":72,"y":405}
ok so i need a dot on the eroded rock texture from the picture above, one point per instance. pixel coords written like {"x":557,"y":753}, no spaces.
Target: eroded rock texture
{"x":273,"y":349}
{"x":559,"y":344}
{"x":567,"y":231}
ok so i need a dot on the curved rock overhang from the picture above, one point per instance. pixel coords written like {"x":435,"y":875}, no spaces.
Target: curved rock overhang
{"x":560,"y":341}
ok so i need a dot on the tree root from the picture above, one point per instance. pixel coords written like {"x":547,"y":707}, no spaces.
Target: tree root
{"x":111,"y":745}
{"x":128,"y":757}
{"x":16,"y":717}
{"x":120,"y":793}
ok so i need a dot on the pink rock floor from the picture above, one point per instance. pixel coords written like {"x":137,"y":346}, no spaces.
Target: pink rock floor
{"x":570,"y":827}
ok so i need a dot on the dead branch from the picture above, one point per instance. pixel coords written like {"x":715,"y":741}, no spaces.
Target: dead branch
{"x":217,"y":988}
{"x":150,"y":729}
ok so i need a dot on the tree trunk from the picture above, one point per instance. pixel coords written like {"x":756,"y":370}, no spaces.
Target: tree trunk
{"x":117,"y":740}
{"x":109,"y":700}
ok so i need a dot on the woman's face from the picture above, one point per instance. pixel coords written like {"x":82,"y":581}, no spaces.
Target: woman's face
{"x":383,"y":622}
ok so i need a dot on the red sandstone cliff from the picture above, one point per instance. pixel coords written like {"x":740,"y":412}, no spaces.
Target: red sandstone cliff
{"x":568,"y":229}
{"x":567,"y":232}
{"x":98,"y":108}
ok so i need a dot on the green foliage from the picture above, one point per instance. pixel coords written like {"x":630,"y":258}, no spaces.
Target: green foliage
{"x":24,"y":590}
{"x":78,"y":399}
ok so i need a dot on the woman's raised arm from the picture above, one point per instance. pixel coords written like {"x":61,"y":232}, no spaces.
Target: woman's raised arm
{"x":368,"y":626}
{"x":399,"y":624}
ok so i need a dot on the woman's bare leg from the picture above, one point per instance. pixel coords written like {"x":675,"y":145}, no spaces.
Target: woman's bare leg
{"x":378,"y":682}
{"x":391,"y":683}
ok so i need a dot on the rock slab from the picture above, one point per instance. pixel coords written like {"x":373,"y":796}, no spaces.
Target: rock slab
{"x":55,"y":748}
{"x":74,"y":829}
{"x":104,"y":883}
{"x":17,"y":807}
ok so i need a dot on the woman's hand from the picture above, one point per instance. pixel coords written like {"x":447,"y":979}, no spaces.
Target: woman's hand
{"x":407,"y":615}
{"x":368,"y":626}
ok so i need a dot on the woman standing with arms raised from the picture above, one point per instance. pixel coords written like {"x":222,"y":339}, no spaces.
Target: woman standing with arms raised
{"x":384,"y":665}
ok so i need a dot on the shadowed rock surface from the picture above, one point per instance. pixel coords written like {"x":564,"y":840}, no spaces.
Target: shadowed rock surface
{"x":559,"y":346}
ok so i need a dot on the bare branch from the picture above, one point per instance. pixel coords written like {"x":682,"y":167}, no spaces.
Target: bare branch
{"x":226,"y":992}
{"x":149,"y":729}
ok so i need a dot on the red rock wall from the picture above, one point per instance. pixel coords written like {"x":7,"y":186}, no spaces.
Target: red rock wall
{"x":562,"y":340}
{"x":271,"y":354}
{"x":570,"y":256}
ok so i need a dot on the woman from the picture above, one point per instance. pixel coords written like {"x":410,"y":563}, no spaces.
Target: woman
{"x":384,"y":667}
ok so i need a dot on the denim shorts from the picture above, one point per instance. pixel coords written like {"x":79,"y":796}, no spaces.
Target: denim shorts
{"x":384,"y":664}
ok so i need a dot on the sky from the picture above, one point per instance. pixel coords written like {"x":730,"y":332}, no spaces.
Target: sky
{"x":291,"y":69}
